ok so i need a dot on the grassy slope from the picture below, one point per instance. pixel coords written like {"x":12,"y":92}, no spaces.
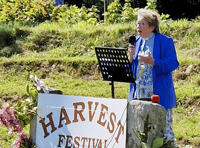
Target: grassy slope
{"x":63,"y":56}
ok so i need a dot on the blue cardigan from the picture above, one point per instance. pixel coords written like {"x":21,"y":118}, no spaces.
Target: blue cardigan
{"x":166,"y":61}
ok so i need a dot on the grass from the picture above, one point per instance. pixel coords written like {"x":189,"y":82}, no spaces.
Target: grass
{"x":5,"y":139}
{"x":64,"y":57}
{"x":186,"y":126}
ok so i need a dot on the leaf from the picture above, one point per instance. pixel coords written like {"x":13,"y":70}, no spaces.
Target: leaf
{"x":140,"y":133}
{"x":145,"y":145}
{"x":27,"y":88}
{"x":158,"y":142}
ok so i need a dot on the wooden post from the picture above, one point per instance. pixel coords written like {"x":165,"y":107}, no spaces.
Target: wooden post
{"x":104,"y":10}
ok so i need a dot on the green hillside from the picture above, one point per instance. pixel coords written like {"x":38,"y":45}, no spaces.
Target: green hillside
{"x":63,"y":56}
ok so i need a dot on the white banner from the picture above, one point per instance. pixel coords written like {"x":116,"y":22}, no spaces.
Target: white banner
{"x":80,"y":122}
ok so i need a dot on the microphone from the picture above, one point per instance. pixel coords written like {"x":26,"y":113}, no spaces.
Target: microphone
{"x":131,"y":40}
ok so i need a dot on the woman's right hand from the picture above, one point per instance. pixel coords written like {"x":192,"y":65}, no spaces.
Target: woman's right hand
{"x":131,"y":50}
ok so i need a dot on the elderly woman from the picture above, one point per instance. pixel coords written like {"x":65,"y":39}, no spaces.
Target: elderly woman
{"x":153,"y":59}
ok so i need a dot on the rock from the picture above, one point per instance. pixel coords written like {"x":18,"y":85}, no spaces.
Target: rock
{"x":189,"y":69}
{"x":54,"y":91}
{"x":148,"y":118}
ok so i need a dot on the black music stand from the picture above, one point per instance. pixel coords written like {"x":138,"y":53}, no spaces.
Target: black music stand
{"x":114,"y":65}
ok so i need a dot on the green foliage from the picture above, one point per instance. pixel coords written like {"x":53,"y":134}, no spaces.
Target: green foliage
{"x":37,"y":11}
{"x":145,"y":145}
{"x":113,"y":15}
{"x":128,"y":13}
{"x":189,"y":131}
{"x":26,"y":108}
{"x":116,"y":13}
{"x":44,"y":41}
{"x":5,"y":139}
{"x":7,"y":38}
{"x":28,"y":11}
{"x":65,"y":58}
{"x":20,"y":32}
{"x":67,"y":14}
{"x":158,"y":142}
{"x":34,"y":11}
{"x":151,"y":4}
{"x":73,"y":15}
{"x":8,"y":45}
{"x":92,"y":12}
{"x":164,"y":16}
{"x":19,"y":114}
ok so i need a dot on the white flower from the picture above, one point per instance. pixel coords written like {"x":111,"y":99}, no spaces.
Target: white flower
{"x":28,"y":100}
{"x":10,"y":132}
{"x":24,"y":108}
{"x":31,"y":77}
{"x":38,"y":88}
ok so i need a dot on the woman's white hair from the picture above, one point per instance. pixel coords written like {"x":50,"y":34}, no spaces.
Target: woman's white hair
{"x":152,"y":17}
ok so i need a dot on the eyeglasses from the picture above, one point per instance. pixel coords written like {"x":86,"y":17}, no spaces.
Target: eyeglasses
{"x":141,"y":24}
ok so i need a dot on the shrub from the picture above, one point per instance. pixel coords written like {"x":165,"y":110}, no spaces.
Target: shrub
{"x":44,"y":40}
{"x":113,"y":15}
{"x":21,"y":32}
{"x":10,"y":50}
{"x":73,"y":15}
{"x":6,"y":38}
{"x":128,"y":13}
{"x":28,"y":11}
{"x":8,"y":44}
{"x":37,"y":11}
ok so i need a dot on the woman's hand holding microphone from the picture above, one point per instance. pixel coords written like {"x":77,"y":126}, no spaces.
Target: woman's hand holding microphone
{"x":131,"y":48}
{"x":131,"y":51}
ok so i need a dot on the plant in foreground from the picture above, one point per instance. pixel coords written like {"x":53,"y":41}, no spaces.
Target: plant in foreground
{"x":157,"y":143}
{"x":8,"y":119}
{"x":16,"y":116}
